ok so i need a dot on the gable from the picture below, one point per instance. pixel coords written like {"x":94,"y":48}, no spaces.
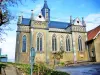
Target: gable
{"x":40,"y":17}
{"x":77,"y":22}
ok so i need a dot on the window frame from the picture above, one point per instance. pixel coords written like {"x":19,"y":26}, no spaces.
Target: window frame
{"x":54,"y":43}
{"x":24,"y":41}
{"x":39,"y":42}
{"x":68,"y":49}
{"x":80,"y":48}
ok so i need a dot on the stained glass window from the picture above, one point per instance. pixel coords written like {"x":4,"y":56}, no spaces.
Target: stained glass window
{"x":39,"y":42}
{"x":80,"y":43}
{"x":67,"y":43}
{"x":54,"y":43}
{"x":24,"y":44}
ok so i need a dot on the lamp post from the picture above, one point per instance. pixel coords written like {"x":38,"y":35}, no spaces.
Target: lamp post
{"x":32,"y":56}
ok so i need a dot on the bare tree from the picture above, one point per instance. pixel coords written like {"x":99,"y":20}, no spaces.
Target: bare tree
{"x":5,"y":13}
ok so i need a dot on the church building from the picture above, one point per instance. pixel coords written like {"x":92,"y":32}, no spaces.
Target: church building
{"x":49,"y":37}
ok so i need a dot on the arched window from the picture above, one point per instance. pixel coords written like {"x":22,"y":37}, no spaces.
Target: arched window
{"x":80,"y":43}
{"x":24,"y":44}
{"x":54,"y":43}
{"x":67,"y":43}
{"x":39,"y":42}
{"x":61,"y":43}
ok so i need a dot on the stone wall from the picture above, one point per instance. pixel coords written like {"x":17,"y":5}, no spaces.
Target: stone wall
{"x":97,"y":48}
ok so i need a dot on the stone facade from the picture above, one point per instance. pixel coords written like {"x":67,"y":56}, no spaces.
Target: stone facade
{"x":94,"y":49}
{"x":73,"y":30}
{"x":97,"y":48}
{"x":94,"y":44}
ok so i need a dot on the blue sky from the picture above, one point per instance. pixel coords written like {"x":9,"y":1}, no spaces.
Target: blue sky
{"x":60,"y":11}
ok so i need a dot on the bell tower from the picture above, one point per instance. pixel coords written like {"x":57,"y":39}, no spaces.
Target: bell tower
{"x":46,"y":11}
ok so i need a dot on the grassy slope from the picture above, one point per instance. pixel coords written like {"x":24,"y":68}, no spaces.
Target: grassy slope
{"x":40,"y":68}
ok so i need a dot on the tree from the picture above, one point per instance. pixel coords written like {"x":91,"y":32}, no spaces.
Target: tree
{"x":5,"y":13}
{"x":58,"y":55}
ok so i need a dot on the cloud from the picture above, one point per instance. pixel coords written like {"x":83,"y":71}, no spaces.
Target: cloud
{"x":92,"y":21}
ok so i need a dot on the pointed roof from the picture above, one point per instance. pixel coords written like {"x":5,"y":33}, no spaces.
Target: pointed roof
{"x":77,"y":21}
{"x":45,"y":5}
{"x":93,"y":33}
{"x":83,"y":22}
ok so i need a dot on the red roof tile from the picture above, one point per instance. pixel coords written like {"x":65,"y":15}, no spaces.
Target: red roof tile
{"x":92,"y":33}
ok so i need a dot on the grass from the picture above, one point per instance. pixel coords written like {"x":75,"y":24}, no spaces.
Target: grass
{"x":40,"y":69}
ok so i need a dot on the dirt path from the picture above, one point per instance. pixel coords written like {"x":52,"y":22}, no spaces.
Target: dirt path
{"x":10,"y":70}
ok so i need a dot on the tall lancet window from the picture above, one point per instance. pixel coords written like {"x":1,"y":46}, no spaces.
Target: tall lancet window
{"x":24,"y":43}
{"x":67,"y":43}
{"x":61,"y":43}
{"x":39,"y":42}
{"x":54,"y":43}
{"x":80,"y":43}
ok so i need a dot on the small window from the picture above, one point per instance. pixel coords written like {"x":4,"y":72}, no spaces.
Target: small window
{"x":77,"y":21}
{"x":40,"y":16}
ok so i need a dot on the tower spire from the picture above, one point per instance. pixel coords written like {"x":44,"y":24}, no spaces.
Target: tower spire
{"x":32,"y":15}
{"x":83,"y":22}
{"x":46,"y":11}
{"x":45,"y":4}
{"x":45,"y":1}
{"x":20,"y":18}
{"x":71,"y":20}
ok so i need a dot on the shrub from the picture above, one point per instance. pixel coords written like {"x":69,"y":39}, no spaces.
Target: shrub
{"x":62,"y":63}
{"x":59,"y":73}
{"x":42,"y":69}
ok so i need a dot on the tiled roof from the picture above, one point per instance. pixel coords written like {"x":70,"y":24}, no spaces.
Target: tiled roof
{"x":52,"y":24}
{"x":25,"y":21}
{"x":56,"y":24}
{"x":92,"y":33}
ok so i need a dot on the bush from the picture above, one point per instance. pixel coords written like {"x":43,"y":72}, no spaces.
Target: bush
{"x":59,"y":73}
{"x":42,"y":69}
{"x":62,"y":63}
{"x":52,"y":72}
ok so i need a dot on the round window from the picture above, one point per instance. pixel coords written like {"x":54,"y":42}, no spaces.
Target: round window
{"x":77,"y":21}
{"x":40,"y":16}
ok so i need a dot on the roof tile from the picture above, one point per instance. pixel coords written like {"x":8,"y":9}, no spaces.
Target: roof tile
{"x":92,"y":33}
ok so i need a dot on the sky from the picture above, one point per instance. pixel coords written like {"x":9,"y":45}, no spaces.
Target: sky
{"x":60,"y":10}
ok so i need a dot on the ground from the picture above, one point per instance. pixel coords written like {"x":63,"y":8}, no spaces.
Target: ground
{"x":89,"y":69}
